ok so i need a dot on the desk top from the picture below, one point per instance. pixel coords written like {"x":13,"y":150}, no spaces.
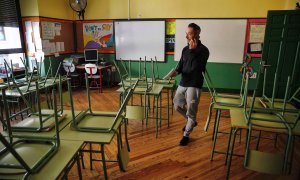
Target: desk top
{"x":54,"y":167}
{"x":50,"y":133}
{"x":23,"y":87}
{"x":156,"y":90}
{"x":94,"y":137}
{"x":58,"y":162}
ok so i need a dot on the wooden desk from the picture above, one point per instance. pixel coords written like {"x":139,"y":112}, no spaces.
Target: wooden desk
{"x":64,"y":158}
{"x":156,"y":92}
{"x":100,"y":68}
{"x":59,"y":164}
{"x":69,"y":134}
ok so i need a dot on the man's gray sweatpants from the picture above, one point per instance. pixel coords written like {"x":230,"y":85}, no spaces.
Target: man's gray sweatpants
{"x":186,"y":102}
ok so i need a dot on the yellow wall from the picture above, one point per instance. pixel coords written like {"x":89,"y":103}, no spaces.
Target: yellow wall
{"x":118,"y":9}
{"x":29,"y":8}
{"x":291,"y":4}
{"x":56,"y":9}
{"x":115,"y":9}
{"x":106,"y":9}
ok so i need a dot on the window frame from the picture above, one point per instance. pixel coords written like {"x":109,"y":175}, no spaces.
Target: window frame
{"x":20,"y":26}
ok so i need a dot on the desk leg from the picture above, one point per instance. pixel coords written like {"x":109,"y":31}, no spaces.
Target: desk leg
{"x":160,"y":108}
{"x":156,"y":116}
{"x":168,"y":107}
{"x":100,"y":80}
{"x":110,"y":77}
{"x":103,"y":162}
{"x":126,"y":135}
{"x":91,"y":156}
{"x":78,"y":165}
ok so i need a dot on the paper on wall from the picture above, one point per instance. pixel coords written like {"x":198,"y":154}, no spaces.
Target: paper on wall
{"x":255,"y":47}
{"x":52,"y":47}
{"x":257,"y":33}
{"x":36,"y":30}
{"x":57,"y":45}
{"x":28,"y":26}
{"x":57,"y":28}
{"x":62,"y":46}
{"x":38,"y":44}
{"x":30,"y":47}
{"x":46,"y":47}
{"x":48,"y":31}
{"x":28,"y":37}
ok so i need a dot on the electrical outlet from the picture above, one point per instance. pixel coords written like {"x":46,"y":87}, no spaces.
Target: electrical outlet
{"x":254,"y":75}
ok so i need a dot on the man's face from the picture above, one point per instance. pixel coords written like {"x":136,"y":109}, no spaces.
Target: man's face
{"x":191,"y":34}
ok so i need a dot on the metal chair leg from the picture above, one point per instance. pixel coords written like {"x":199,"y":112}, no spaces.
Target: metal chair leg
{"x":215,"y":134}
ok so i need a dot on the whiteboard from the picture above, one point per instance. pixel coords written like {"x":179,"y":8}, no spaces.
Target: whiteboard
{"x":137,"y":39}
{"x":225,"y":38}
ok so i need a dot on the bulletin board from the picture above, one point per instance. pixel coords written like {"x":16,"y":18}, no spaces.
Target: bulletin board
{"x":139,"y":39}
{"x":255,"y":36}
{"x":95,"y":34}
{"x":225,"y":38}
{"x":48,"y":35}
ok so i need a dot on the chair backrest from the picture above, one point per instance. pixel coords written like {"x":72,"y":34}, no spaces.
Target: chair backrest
{"x":90,"y":69}
{"x":8,"y":146}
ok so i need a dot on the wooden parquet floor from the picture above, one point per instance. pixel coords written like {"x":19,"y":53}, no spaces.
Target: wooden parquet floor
{"x":162,"y":157}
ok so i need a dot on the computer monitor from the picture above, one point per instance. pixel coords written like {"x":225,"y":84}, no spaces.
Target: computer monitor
{"x":91,"y":55}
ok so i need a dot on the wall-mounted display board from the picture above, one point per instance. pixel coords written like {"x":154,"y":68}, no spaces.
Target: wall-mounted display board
{"x":225,"y":38}
{"x":48,"y":35}
{"x":135,"y":39}
{"x":255,"y":36}
{"x":95,"y":34}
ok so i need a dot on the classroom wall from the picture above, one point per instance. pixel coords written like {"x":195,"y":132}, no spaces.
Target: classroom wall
{"x":29,"y":8}
{"x":118,"y":9}
{"x":225,"y":76}
{"x":291,"y":4}
{"x":56,"y":9}
{"x":59,"y":9}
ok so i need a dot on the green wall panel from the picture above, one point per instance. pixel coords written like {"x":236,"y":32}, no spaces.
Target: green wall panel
{"x":226,"y":77}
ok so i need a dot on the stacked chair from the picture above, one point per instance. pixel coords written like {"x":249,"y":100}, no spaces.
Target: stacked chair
{"x":268,"y":113}
{"x":29,"y":92}
{"x":278,"y":120}
{"x":26,"y":154}
{"x":143,"y":86}
{"x":146,"y":87}
{"x":101,"y":124}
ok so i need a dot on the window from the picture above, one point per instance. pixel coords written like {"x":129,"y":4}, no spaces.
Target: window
{"x":11,"y":37}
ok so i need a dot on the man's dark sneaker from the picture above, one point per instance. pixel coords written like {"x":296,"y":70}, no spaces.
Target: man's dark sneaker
{"x":184,"y":141}
{"x":183,"y":129}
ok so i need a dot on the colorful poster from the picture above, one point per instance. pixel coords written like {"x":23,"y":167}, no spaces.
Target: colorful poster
{"x":170,"y":35}
{"x":98,"y":36}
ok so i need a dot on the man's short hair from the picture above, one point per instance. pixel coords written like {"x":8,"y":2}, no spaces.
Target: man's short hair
{"x":195,"y":27}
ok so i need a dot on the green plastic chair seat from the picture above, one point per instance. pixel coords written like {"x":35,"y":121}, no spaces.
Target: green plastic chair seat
{"x":135,"y":112}
{"x":237,"y":118}
{"x":34,"y":122}
{"x":278,"y":104}
{"x":228,"y":96}
{"x":30,"y":152}
{"x":265,"y":162}
{"x":91,"y":121}
{"x":228,"y":100}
